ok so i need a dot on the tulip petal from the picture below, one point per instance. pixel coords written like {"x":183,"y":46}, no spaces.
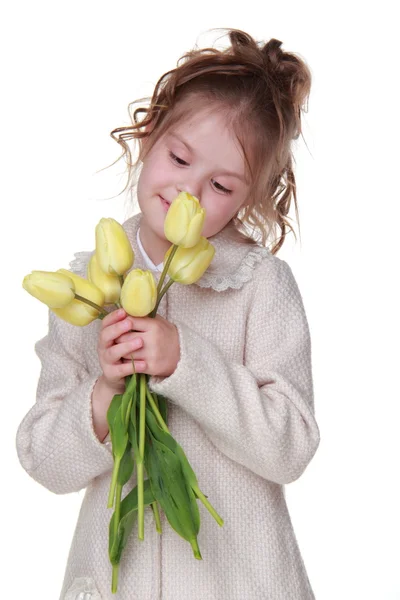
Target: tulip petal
{"x":108,"y":284}
{"x":114,"y":252}
{"x":189,"y":264}
{"x":139,"y":293}
{"x":56,"y":290}
{"x":184,"y":221}
{"x":194,"y":230}
{"x":78,"y":312}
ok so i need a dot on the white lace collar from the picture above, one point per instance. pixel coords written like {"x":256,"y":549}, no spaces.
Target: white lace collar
{"x":146,"y":257}
{"x":232,"y":266}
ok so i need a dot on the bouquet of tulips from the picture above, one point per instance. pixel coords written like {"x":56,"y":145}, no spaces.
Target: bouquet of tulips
{"x":138,"y":419}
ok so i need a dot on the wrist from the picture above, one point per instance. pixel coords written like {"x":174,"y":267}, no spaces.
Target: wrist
{"x":117,"y":388}
{"x":102,"y":396}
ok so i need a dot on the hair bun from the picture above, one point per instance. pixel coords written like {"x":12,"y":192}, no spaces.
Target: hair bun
{"x":247,"y":52}
{"x":268,"y":61}
{"x":274,"y":61}
{"x":272,"y":52}
{"x":240,"y":38}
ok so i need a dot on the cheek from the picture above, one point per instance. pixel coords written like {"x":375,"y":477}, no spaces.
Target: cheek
{"x":155,"y":172}
{"x":218,"y":208}
{"x":214,"y":220}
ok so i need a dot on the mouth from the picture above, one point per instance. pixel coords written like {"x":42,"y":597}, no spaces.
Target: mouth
{"x":164,"y":202}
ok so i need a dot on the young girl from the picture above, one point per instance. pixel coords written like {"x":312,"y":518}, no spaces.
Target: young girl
{"x":231,"y":353}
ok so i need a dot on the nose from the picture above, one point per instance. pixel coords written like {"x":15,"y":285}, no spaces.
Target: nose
{"x":191,"y":187}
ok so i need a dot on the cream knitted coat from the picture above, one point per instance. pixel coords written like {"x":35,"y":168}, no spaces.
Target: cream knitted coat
{"x":241,"y":406}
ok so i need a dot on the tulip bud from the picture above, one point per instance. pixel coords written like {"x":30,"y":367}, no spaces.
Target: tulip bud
{"x":54,"y":289}
{"x":189,"y":264}
{"x":139,"y":293}
{"x":110,"y":285}
{"x":184,"y":221}
{"x":113,"y":249}
{"x":78,"y":312}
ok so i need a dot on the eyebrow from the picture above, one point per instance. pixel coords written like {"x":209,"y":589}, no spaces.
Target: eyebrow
{"x":188,"y":146}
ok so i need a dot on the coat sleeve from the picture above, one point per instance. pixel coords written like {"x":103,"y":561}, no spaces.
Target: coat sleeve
{"x":259,"y":413}
{"x":56,"y":443}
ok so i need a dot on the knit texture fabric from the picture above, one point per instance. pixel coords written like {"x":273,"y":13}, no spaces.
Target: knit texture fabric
{"x":241,"y":405}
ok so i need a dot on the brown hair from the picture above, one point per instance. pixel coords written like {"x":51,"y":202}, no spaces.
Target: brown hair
{"x":262,"y":90}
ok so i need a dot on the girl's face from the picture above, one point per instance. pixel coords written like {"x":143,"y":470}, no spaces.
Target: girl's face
{"x":202,"y":157}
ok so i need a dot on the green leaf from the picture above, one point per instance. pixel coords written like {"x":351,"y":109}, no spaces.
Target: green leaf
{"x":166,"y":438}
{"x":190,"y":478}
{"x":162,"y":406}
{"x":112,"y":409}
{"x":161,"y":402}
{"x":133,"y":427}
{"x":111,"y":412}
{"x":127,"y":400}
{"x":119,"y":434}
{"x":118,"y":418}
{"x":186,"y":468}
{"x":126,"y":466}
{"x":128,"y":514}
{"x":170,"y":489}
{"x":162,"y":436}
{"x":124,"y":529}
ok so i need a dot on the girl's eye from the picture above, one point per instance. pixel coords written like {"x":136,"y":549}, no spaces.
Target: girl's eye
{"x":221,"y":188}
{"x":181,"y":162}
{"x":176,"y":159}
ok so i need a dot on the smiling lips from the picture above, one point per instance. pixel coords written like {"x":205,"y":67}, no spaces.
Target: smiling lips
{"x":165,"y":204}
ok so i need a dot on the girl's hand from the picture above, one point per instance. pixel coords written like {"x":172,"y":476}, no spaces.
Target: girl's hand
{"x":156,"y":346}
{"x":113,"y":326}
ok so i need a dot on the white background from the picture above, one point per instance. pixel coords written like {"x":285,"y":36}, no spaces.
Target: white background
{"x":69,"y":70}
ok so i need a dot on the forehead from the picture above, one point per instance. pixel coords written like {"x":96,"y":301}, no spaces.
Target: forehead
{"x":208,"y":133}
{"x":204,"y":122}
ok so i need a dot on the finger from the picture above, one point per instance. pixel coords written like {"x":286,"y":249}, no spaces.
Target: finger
{"x":110,"y":333}
{"x":113,"y":317}
{"x":126,"y":337}
{"x":116,"y":352}
{"x":141,"y":323}
{"x":126,"y":368}
{"x":140,"y":365}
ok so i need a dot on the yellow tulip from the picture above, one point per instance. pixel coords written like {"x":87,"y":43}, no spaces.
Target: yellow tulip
{"x":189,"y":264}
{"x":113,"y":249}
{"x":54,"y":289}
{"x":184,"y":221}
{"x":139,"y":293}
{"x":110,"y":285}
{"x":78,"y":312}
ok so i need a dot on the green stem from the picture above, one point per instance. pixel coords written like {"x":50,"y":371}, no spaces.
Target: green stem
{"x":208,"y":506}
{"x":115,"y":568}
{"x":117,"y":509}
{"x":142,"y":413}
{"x":165,"y":289}
{"x":114,"y":583}
{"x":140,"y":486}
{"x":196,"y":549}
{"x":140,"y":466}
{"x":156,"y":412}
{"x":121,"y":280}
{"x":93,"y":305}
{"x":128,"y":412}
{"x":154,"y":506}
{"x":166,"y":267}
{"x":111,"y":494}
{"x":161,"y":281}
